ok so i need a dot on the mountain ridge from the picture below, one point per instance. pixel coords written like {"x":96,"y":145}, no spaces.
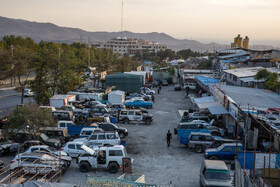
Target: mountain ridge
{"x":52,"y":32}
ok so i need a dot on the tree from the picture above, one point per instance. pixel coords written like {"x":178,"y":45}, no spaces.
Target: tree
{"x":28,"y":118}
{"x":207,"y":64}
{"x":272,"y":81}
{"x":22,"y":66}
{"x":262,"y":74}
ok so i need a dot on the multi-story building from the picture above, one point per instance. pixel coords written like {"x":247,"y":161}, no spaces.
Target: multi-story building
{"x":126,"y":45}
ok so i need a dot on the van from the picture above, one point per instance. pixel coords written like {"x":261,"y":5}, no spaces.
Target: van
{"x":190,"y":85}
{"x":62,"y":115}
{"x":215,"y":173}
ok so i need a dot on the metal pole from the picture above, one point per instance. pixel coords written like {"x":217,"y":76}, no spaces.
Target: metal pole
{"x":263,"y":170}
{"x":236,"y":135}
{"x":60,"y":166}
{"x":254,"y":171}
{"x":269,"y":155}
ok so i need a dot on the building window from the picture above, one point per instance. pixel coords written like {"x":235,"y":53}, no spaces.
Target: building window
{"x":234,"y":78}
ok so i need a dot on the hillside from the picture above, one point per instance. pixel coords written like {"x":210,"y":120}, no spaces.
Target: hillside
{"x":52,"y":32}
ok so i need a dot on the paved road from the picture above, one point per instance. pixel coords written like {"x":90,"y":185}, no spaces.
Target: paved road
{"x":9,"y":99}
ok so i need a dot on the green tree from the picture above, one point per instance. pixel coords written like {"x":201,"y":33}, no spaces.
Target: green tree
{"x":272,"y":81}
{"x":262,"y":74}
{"x":28,"y":118}
{"x":207,"y":64}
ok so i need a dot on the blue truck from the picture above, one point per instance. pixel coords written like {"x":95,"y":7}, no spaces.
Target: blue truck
{"x":183,"y":131}
{"x":74,"y":130}
{"x":138,"y":103}
{"x":226,"y":151}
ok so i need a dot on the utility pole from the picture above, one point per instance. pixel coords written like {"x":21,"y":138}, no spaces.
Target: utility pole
{"x":122,"y":21}
{"x":89,"y":55}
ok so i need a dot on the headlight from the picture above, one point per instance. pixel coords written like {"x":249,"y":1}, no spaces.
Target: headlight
{"x":56,"y":144}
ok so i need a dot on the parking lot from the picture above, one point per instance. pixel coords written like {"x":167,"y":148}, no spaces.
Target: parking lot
{"x":147,"y":146}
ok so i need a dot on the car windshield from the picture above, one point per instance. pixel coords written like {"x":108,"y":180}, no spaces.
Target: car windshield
{"x":217,"y":174}
{"x":221,"y":147}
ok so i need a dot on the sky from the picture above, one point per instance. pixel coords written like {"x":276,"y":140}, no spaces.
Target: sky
{"x":202,"y":20}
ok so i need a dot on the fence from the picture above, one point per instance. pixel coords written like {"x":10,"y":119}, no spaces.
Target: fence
{"x":242,"y":179}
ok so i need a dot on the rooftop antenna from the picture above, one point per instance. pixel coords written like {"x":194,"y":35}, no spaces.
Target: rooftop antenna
{"x":122,"y":21}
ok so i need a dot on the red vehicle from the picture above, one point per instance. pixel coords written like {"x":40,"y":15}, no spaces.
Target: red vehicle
{"x":274,"y":111}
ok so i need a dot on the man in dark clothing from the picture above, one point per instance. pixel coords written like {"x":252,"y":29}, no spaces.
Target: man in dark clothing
{"x":168,"y":137}
{"x":158,"y":90}
{"x":159,"y":87}
{"x":153,"y":98}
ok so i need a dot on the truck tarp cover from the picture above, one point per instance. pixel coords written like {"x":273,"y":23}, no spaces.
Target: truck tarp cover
{"x":125,"y":82}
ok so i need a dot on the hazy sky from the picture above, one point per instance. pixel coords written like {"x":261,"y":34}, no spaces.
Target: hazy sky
{"x":202,"y":20}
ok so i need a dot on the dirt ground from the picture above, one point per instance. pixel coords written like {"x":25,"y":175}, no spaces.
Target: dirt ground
{"x":147,"y":146}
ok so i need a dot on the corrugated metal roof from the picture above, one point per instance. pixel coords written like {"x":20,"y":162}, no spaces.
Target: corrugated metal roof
{"x":207,"y":105}
{"x":216,"y":110}
{"x":259,"y":98}
{"x":204,"y":99}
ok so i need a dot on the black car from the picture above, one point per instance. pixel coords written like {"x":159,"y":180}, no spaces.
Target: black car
{"x":112,"y":127}
{"x":102,"y":111}
{"x":52,"y":142}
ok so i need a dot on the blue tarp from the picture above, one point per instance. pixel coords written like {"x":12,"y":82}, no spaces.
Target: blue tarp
{"x":206,"y":80}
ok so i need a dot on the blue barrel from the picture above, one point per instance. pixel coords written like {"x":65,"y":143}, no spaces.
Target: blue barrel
{"x":114,"y":120}
{"x":123,"y":143}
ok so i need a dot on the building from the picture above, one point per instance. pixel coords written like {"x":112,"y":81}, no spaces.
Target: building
{"x":245,"y":77}
{"x":130,"y":46}
{"x":239,"y":42}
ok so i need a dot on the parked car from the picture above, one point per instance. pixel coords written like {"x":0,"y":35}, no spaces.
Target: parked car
{"x":1,"y":164}
{"x":164,"y":82}
{"x":66,"y":159}
{"x":201,"y":141}
{"x":48,"y":108}
{"x":54,"y":132}
{"x":147,"y":90}
{"x":190,"y":85}
{"x":102,"y":111}
{"x":139,"y":95}
{"x":215,"y":173}
{"x":73,"y":149}
{"x":87,"y":131}
{"x":274,"y":111}
{"x":128,"y":116}
{"x":177,"y":87}
{"x":43,"y":162}
{"x":53,"y":142}
{"x":138,"y":102}
{"x":68,"y":108}
{"x":226,"y":151}
{"x":110,"y":158}
{"x":101,"y":139}
{"x":45,"y":148}
{"x":62,"y":115}
{"x":15,"y":148}
{"x":117,"y":107}
{"x":90,"y":117}
{"x":112,"y":127}
{"x":28,"y":93}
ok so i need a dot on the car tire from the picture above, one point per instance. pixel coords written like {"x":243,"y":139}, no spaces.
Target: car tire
{"x":84,"y":167}
{"x":150,"y":107}
{"x":126,"y":121}
{"x":122,"y":135}
{"x":214,"y":157}
{"x":198,"y":149}
{"x":113,"y":167}
{"x":148,"y":121}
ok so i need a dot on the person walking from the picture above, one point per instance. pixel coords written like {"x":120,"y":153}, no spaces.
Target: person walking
{"x":159,"y":87}
{"x":158,"y":90}
{"x":153,"y":98}
{"x":168,"y":137}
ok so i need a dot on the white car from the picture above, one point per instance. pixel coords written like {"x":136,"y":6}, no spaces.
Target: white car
{"x":28,"y":93}
{"x":73,"y":149}
{"x":87,"y":131}
{"x":101,"y":139}
{"x":147,"y":90}
{"x":34,"y":162}
{"x":45,"y":148}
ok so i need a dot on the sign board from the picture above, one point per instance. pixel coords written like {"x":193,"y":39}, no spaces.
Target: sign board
{"x":233,"y":110}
